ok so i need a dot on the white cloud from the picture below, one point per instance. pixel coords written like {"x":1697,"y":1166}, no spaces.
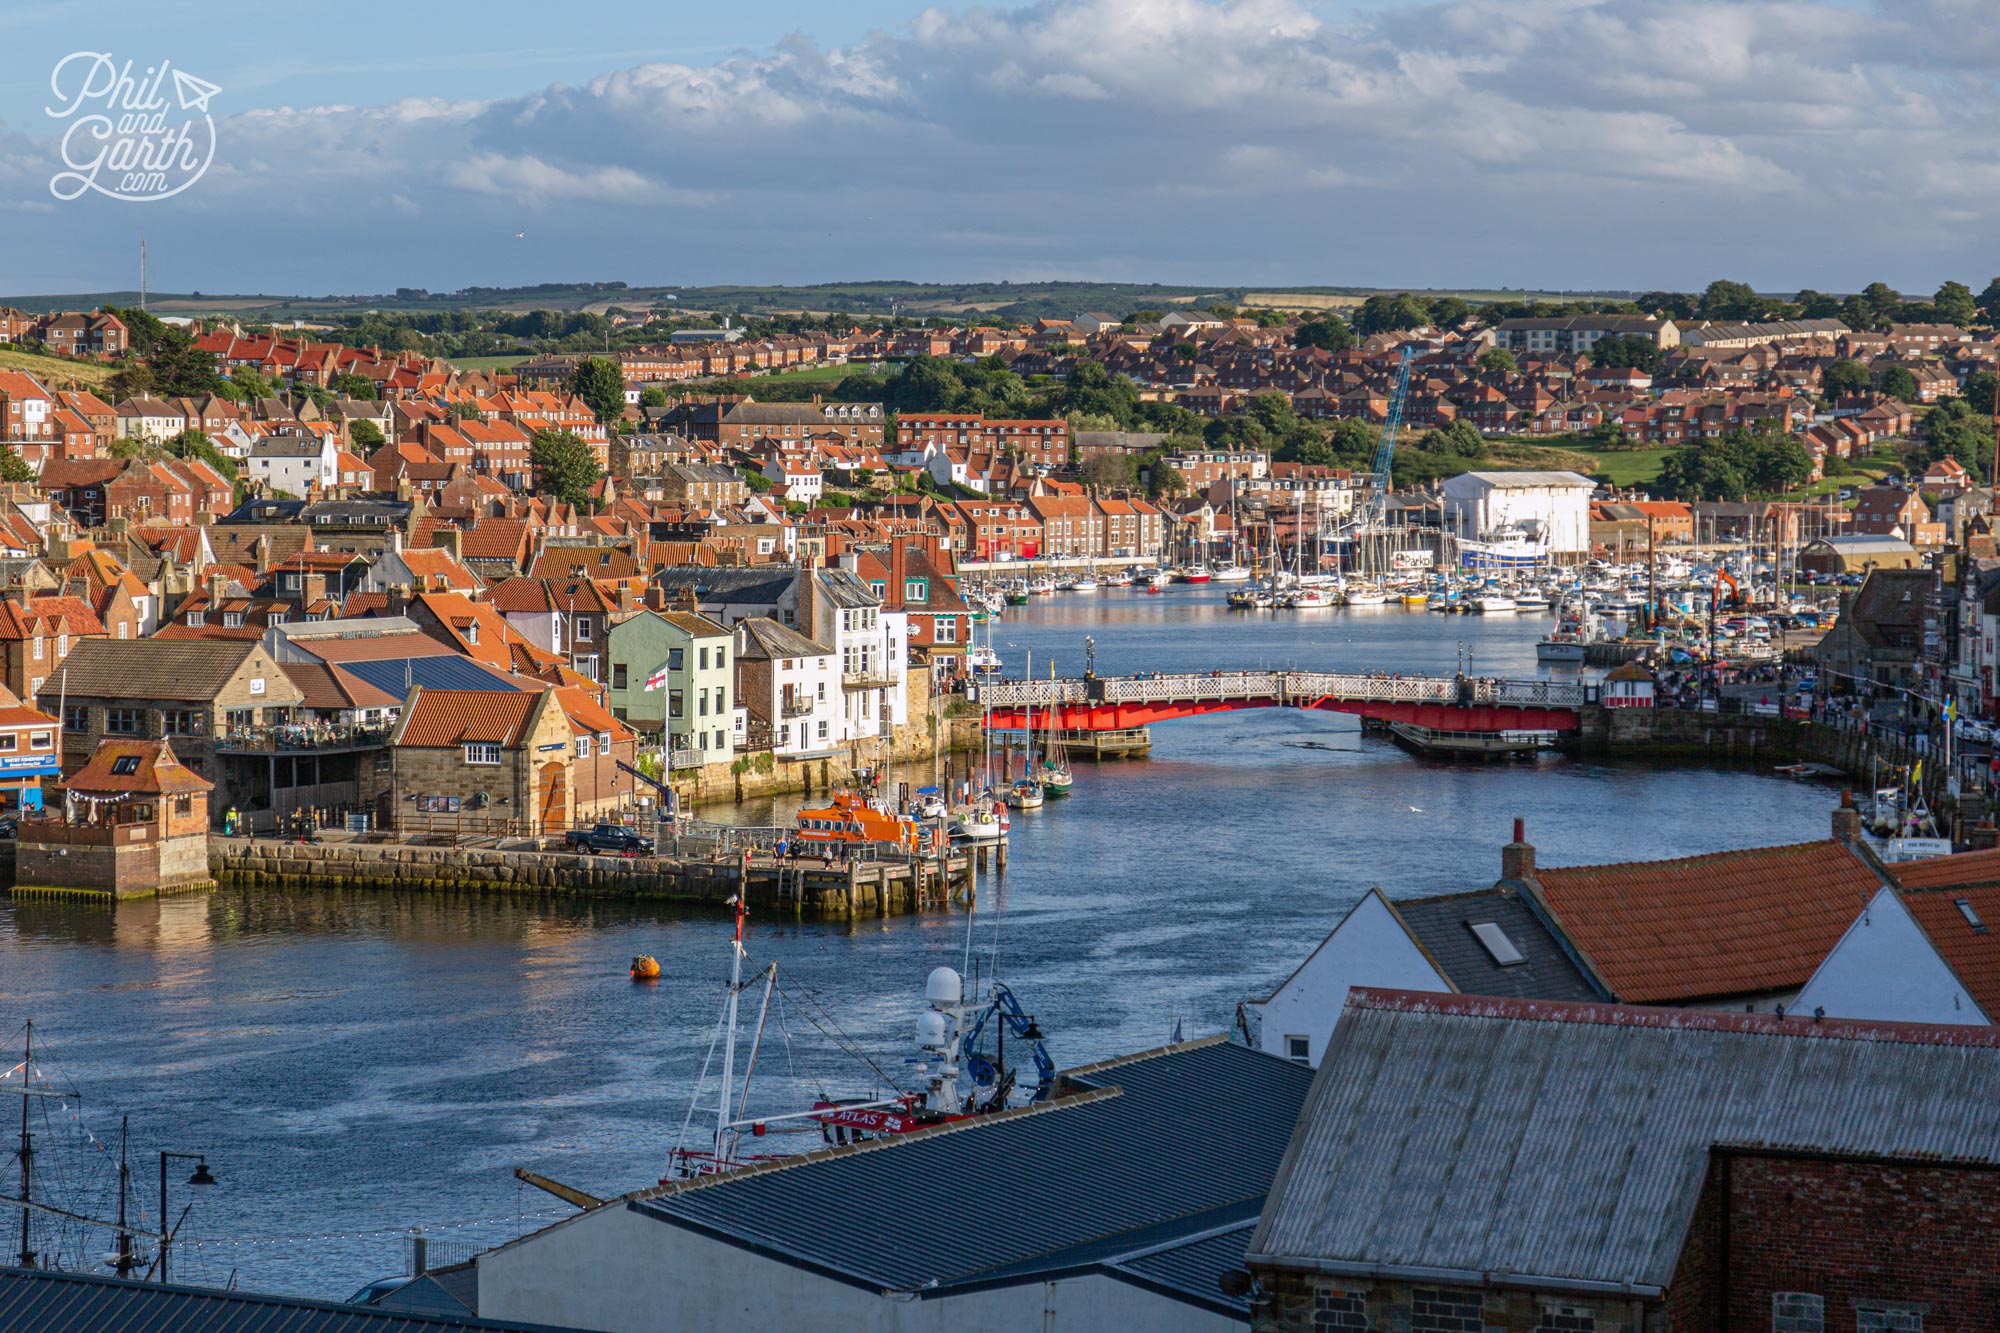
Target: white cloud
{"x":1576,"y":142}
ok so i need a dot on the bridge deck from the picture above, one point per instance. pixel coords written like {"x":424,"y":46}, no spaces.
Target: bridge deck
{"x":1454,"y":703}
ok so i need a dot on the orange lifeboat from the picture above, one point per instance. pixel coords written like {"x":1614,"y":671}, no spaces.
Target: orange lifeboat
{"x":852,"y":819}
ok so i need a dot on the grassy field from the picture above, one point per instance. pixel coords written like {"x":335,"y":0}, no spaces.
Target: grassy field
{"x":56,"y":372}
{"x":473,"y":363}
{"x":1629,"y":467}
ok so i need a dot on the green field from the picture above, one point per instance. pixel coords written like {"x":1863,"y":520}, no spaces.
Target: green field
{"x":56,"y":372}
{"x":470,"y":363}
{"x":1630,"y":467}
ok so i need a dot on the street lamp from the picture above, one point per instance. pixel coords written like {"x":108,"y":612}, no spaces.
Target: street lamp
{"x":201,"y":1179}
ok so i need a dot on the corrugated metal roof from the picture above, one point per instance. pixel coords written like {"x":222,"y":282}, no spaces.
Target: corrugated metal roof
{"x":1193,"y":1269}
{"x":1161,"y":1140}
{"x":1443,"y":926}
{"x":36,"y":1302}
{"x":1702,"y":927}
{"x":1569,"y":1142}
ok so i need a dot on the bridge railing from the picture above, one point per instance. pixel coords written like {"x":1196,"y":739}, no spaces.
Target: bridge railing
{"x":1287,"y":687}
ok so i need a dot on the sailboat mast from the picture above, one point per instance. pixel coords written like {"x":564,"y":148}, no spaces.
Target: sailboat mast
{"x":27,"y":1151}
{"x":729,"y":1040}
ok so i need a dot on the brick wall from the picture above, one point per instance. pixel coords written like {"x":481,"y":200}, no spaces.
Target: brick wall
{"x":1891,"y":1246}
{"x":1303,"y":1303}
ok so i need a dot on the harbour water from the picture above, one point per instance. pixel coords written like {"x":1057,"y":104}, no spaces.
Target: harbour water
{"x":356,"y":1063}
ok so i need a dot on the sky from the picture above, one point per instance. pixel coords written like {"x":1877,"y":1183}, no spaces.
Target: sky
{"x":1564,"y":144}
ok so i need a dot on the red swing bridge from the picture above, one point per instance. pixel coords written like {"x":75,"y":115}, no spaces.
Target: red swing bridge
{"x":1446,"y":704}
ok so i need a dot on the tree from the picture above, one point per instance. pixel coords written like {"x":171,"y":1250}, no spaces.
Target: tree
{"x":1899,"y":383}
{"x":1388,"y":314}
{"x":1459,"y":439}
{"x":1163,"y":479}
{"x":1326,"y":331}
{"x":1954,"y":304}
{"x":1353,"y":444}
{"x":1626,"y":350}
{"x":564,"y":466}
{"x":1497,"y":361}
{"x":182,"y":370}
{"x":601,"y":384}
{"x":1605,"y":434}
{"x":1730,"y":302}
{"x":13,"y":467}
{"x":250,"y":385}
{"x":1989,"y":302}
{"x":196,"y":444}
{"x":134,"y":379}
{"x":1978,"y":393}
{"x":652,"y":396}
{"x":357,"y":387}
{"x":1816,"y":305}
{"x":1843,"y":378}
{"x":1450,"y":311}
{"x":1111,"y":471}
{"x":364,"y":434}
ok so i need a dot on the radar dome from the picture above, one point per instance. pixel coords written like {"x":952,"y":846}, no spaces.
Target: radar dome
{"x":944,"y":988}
{"x":930,"y":1031}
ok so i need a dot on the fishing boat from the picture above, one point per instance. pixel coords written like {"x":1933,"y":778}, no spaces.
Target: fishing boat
{"x":1509,"y":547}
{"x":1158,"y":579}
{"x":1017,"y":595}
{"x":1563,"y":648}
{"x":1124,"y":578}
{"x":1531,"y":600}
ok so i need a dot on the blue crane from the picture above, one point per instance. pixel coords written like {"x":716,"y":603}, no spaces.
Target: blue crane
{"x":1385,"y":453}
{"x":988,"y":1072}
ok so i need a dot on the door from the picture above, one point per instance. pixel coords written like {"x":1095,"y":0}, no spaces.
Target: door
{"x":553,"y":804}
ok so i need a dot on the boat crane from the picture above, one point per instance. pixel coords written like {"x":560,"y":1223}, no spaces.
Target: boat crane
{"x":1385,"y":453}
{"x":994,"y":1073}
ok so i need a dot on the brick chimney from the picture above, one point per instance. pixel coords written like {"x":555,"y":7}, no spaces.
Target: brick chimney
{"x":216,"y":583}
{"x":1846,"y":819}
{"x":899,"y":556}
{"x":396,"y":600}
{"x":450,"y":540}
{"x":312,"y":588}
{"x":1517,"y":858}
{"x":656,"y":597}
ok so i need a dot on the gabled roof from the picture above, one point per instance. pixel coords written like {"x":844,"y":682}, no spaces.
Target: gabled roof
{"x":1523,"y":1142}
{"x":1709,"y":927}
{"x":1444,"y":927}
{"x":434,"y":718}
{"x":762,"y":639}
{"x":193,"y":669}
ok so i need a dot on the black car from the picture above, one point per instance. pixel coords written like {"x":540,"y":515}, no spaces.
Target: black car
{"x":608,"y":838}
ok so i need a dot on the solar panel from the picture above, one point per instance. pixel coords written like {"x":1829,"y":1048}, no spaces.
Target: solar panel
{"x":1495,"y":939}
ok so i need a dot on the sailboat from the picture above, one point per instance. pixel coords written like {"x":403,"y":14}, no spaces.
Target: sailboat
{"x":1055,"y":775}
{"x":1026,"y":793}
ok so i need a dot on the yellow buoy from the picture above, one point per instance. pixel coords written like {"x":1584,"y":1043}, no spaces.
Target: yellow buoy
{"x":645,"y":968}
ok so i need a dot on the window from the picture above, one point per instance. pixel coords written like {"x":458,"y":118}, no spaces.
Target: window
{"x":1888,"y":1317}
{"x":1298,"y":1048}
{"x":42,"y":740}
{"x":38,"y":648}
{"x":9,"y":742}
{"x":718,"y":699}
{"x":822,"y":730}
{"x":703,"y":703}
{"x":1798,"y":1312}
{"x":701,"y":739}
{"x":701,"y":659}
{"x":944,"y":629}
{"x":1970,"y":913}
{"x":232,"y":619}
{"x":196,"y":619}
{"x":482,"y":754}
{"x":676,"y":703}
{"x":122,"y":628}
{"x":676,"y":659}
{"x":916,"y":590}
{"x":720,"y":743}
{"x":583,"y":747}
{"x":123,"y":721}
{"x":618,"y":676}
{"x":583,"y":629}
{"x":1498,"y":946}
{"x":721,"y":659}
{"x":76,"y":717}
{"x":125,"y":764}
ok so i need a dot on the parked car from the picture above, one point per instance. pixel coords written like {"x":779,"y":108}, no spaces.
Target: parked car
{"x":608,"y":838}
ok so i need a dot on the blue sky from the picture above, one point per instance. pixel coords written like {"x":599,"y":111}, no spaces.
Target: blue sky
{"x":1543,"y":143}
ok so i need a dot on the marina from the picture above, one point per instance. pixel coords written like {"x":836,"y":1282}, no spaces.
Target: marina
{"x":358,"y":1062}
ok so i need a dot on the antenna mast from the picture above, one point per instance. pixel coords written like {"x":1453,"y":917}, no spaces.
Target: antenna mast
{"x":142,"y":272}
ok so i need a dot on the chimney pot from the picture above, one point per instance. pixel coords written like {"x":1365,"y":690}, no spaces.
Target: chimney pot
{"x":1517,"y":858}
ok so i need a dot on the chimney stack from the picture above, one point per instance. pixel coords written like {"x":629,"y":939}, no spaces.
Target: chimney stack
{"x":1517,"y":858}
{"x":396,"y":600}
{"x":216,"y":583}
{"x":1846,"y":819}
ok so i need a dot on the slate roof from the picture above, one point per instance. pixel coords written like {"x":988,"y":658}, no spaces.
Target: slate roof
{"x":1159,"y":1147}
{"x":764,"y":639}
{"x":764,"y":585}
{"x":192,"y":669}
{"x":1443,"y":926}
{"x":40,"y":1302}
{"x":1524,"y":1142}
{"x":1706,"y":927}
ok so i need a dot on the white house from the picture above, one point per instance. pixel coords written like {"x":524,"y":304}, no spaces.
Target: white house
{"x":294,"y":464}
{"x":797,"y":479}
{"x":1549,"y":509}
{"x":1914,"y":956}
{"x":790,"y":683}
{"x":1135,"y":1218}
{"x":1488,"y":942}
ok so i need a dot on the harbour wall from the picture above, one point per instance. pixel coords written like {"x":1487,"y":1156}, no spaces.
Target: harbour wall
{"x":837,"y":891}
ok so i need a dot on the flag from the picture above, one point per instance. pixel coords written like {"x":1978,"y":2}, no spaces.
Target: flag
{"x":1950,"y":711}
{"x":1177,"y":1032}
{"x":658,"y":680}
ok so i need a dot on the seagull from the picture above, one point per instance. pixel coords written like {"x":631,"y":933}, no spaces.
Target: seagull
{"x":520,"y":235}
{"x":1415,"y":811}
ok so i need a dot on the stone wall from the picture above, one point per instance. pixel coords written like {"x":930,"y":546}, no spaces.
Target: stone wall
{"x":1311,"y":1303}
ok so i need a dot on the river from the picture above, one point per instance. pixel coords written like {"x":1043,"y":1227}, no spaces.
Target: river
{"x":354,"y":1063}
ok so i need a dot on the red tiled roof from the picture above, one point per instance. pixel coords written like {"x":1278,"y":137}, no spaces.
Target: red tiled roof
{"x":1973,"y":952}
{"x":158,"y":771}
{"x":1933,"y":872}
{"x":45,"y":615}
{"x":1704,"y":927}
{"x":440,"y":718}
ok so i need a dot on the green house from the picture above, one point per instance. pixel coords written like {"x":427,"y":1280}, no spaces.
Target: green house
{"x":692,"y":712}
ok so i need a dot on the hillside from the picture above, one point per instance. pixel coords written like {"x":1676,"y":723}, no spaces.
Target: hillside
{"x":55,"y":372}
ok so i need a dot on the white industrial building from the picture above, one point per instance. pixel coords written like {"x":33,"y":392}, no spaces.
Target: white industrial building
{"x":1547,"y":510}
{"x":1119,"y":1203}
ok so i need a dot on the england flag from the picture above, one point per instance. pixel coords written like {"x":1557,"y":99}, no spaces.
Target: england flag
{"x":658,"y":680}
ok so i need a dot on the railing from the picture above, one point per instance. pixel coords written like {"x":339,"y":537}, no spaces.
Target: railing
{"x":686,"y":759}
{"x":300,"y":737}
{"x":84,"y":835}
{"x":796,"y":708}
{"x":874,"y":678}
{"x":1289,"y":687}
